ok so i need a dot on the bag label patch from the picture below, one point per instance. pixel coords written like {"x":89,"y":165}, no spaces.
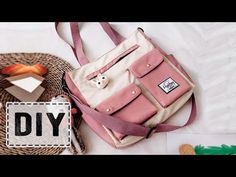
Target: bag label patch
{"x":168,"y":85}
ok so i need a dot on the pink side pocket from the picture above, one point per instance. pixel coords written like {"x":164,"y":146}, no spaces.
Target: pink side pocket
{"x":128,"y":104}
{"x":161,"y":80}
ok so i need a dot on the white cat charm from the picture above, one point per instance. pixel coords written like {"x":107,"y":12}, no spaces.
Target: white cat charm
{"x":101,"y":81}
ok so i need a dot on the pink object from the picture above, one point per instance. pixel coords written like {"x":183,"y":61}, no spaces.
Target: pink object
{"x":128,"y":104}
{"x":156,"y":75}
{"x":115,"y":113}
{"x":146,"y":64}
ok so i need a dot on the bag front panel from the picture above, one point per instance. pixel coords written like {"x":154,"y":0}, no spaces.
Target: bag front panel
{"x":132,"y":69}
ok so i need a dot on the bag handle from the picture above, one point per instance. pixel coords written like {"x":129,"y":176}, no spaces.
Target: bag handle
{"x":112,"y":33}
{"x":122,"y":126}
{"x":77,"y":41}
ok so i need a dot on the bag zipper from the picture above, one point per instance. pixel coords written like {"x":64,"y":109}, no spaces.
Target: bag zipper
{"x":113,"y":62}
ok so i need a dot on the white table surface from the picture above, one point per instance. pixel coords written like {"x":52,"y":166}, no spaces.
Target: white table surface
{"x":206,"y":50}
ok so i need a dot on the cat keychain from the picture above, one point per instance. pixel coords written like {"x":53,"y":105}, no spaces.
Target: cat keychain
{"x":101,"y":81}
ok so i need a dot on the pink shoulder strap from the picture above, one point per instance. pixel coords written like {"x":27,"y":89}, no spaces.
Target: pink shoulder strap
{"x":77,"y":41}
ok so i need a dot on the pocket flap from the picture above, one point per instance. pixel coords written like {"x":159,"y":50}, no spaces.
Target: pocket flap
{"x":120,"y":99}
{"x":146,"y":63}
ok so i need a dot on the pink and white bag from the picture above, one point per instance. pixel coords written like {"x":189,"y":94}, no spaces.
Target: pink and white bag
{"x":127,"y":94}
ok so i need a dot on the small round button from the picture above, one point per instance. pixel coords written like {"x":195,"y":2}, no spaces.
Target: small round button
{"x":148,"y":65}
{"x":108,"y":109}
{"x":133,"y":92}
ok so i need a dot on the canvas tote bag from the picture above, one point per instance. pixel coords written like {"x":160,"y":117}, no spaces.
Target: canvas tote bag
{"x":127,"y":94}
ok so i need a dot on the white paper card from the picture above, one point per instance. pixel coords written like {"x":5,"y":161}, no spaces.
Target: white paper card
{"x":29,"y":84}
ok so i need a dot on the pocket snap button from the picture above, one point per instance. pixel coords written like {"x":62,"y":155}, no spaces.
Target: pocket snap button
{"x":108,"y":109}
{"x":133,"y":92}
{"x":148,"y":65}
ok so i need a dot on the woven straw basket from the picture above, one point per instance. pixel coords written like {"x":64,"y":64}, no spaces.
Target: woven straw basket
{"x":52,"y":84}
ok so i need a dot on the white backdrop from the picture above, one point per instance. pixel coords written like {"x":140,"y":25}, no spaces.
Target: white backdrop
{"x":206,"y":50}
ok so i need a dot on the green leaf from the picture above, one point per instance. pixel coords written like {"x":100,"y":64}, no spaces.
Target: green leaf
{"x":215,"y":150}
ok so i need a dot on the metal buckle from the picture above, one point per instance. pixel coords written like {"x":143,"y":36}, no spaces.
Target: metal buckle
{"x":139,"y":28}
{"x":63,"y":84}
{"x":151,"y":132}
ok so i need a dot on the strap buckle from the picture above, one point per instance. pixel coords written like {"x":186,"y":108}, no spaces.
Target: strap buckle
{"x":139,"y":28}
{"x":63,"y":84}
{"x":150,"y":132}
